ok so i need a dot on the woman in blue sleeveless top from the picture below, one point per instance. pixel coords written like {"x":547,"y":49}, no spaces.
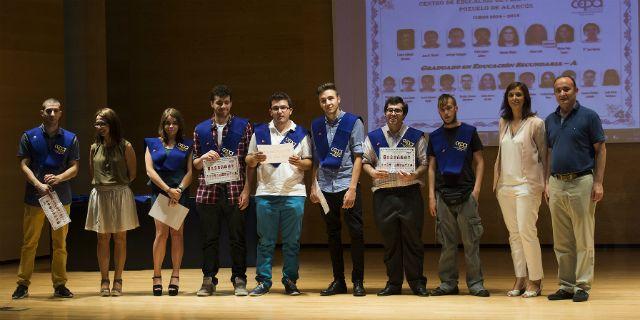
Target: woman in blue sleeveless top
{"x":168,"y":163}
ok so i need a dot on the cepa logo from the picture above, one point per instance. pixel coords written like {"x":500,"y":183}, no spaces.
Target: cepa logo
{"x":587,"y":5}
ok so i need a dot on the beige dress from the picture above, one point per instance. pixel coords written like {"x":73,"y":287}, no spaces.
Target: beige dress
{"x":112,"y":207}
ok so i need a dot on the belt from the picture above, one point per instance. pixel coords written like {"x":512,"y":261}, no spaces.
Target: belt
{"x":572,"y":175}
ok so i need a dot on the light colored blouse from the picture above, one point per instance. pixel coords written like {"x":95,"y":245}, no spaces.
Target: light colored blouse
{"x":510,"y":158}
{"x":532,"y":153}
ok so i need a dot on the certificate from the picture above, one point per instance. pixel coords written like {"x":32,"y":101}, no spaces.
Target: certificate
{"x":173,"y":216}
{"x":225,"y":169}
{"x":54,"y":210}
{"x":323,"y":200}
{"x":276,"y":153}
{"x":395,"y":160}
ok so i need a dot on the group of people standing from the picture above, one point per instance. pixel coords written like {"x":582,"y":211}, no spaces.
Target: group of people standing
{"x":561,"y":159}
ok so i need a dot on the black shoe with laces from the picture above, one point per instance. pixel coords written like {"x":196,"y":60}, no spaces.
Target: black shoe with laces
{"x":62,"y":292}
{"x":440,"y":292}
{"x":358,"y":289}
{"x":21,"y":292}
{"x":335,"y":287}
{"x":290,"y":287}
{"x":560,"y":295}
{"x":581,"y":296}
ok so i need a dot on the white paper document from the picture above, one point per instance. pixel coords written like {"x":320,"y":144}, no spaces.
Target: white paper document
{"x":172,"y":216}
{"x":276,"y":153}
{"x":54,"y":210}
{"x":395,"y":160}
{"x":323,"y":200}
{"x":225,"y":169}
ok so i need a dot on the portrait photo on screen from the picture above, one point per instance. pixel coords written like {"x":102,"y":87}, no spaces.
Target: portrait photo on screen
{"x":508,"y":37}
{"x":430,"y":40}
{"x":536,"y":34}
{"x":427,"y":82}
{"x":406,"y":39}
{"x":564,"y":34}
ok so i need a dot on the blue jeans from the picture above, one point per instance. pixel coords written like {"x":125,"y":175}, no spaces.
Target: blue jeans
{"x":274,"y":213}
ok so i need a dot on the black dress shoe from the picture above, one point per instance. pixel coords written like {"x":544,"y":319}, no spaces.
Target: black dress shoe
{"x":580,"y":296}
{"x":440,"y":292}
{"x":420,"y":291}
{"x":481,"y":293}
{"x":390,"y":290}
{"x":358,"y":289}
{"x":560,"y":295}
{"x":336,"y":287}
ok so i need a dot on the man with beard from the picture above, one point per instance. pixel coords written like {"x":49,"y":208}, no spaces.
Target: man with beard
{"x":223,"y":135}
{"x":453,"y":197}
{"x":337,"y":140}
{"x":397,"y":202}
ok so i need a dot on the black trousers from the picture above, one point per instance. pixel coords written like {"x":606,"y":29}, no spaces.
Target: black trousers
{"x":211,"y":217}
{"x":353,"y":219}
{"x":399,"y":214}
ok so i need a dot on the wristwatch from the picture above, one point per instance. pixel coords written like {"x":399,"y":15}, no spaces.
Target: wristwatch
{"x":181,"y":188}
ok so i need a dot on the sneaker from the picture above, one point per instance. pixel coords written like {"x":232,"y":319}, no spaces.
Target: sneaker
{"x":22,"y":291}
{"x":581,"y":296}
{"x":259,"y":290}
{"x":290,"y":287}
{"x":62,"y":292}
{"x":240,"y":287}
{"x":560,"y":295}
{"x":207,"y":288}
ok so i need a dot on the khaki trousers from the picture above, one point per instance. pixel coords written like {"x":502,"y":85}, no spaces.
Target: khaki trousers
{"x":573,"y":220}
{"x":33,"y":222}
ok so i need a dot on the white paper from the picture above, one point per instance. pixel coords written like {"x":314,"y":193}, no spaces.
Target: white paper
{"x":172,"y":216}
{"x":276,"y":153}
{"x":395,"y":160}
{"x":54,"y":210}
{"x":323,"y":200}
{"x":225,"y":169}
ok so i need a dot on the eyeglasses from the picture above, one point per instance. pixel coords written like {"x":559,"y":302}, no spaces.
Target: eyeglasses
{"x":100,"y":124}
{"x":390,"y":110}
{"x":281,"y":108}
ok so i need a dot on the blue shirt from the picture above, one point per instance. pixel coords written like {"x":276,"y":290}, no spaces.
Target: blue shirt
{"x":338,"y":179}
{"x":572,"y":139}
{"x":63,"y":189}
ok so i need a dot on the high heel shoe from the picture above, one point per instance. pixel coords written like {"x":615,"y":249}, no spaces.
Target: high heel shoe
{"x":531,"y":294}
{"x":116,"y":292}
{"x":157,"y":288}
{"x":515,"y":292}
{"x":104,"y":292}
{"x":174,"y":288}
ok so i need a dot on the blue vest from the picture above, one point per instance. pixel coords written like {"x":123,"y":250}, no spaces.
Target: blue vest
{"x":42,"y":157}
{"x":229,"y":143}
{"x":450,"y":158}
{"x":409,"y":140}
{"x":174,"y":160}
{"x":263,"y":136}
{"x":331,"y":157}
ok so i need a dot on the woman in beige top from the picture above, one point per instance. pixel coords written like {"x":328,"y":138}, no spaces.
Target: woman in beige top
{"x":112,"y":209}
{"x":519,"y":184}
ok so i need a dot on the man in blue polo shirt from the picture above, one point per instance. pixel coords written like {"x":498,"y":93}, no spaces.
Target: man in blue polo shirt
{"x":48,"y":159}
{"x":577,"y":156}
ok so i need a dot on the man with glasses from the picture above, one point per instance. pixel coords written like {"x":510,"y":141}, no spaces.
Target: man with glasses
{"x":397,"y":200}
{"x":223,"y":135}
{"x":280,"y":194}
{"x":454,"y":186}
{"x":48,"y":158}
{"x":337,"y":140}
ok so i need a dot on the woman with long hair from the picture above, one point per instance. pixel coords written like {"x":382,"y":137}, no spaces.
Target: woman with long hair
{"x":519,"y":183}
{"x":167,"y":159}
{"x":112,"y":209}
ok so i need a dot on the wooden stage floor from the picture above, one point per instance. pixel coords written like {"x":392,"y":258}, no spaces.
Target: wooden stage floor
{"x":616,"y":294}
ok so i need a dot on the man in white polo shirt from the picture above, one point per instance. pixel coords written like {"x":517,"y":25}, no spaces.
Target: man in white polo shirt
{"x":280,"y":194}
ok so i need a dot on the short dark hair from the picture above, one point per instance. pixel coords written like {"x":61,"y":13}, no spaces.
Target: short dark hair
{"x":506,"y":112}
{"x":220,"y":91}
{"x":396,"y":100}
{"x":575,"y":85}
{"x":444,"y":98}
{"x":326,"y":86}
{"x":277,"y":96}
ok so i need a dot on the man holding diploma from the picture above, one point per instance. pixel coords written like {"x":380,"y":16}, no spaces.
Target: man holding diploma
{"x":397,"y":201}
{"x":224,"y":135}
{"x":280,"y":194}
{"x":48,"y":158}
{"x":337,"y":140}
{"x":454,"y":187}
